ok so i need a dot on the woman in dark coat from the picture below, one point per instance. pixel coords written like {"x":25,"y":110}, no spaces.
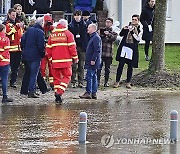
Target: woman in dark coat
{"x":128,"y":50}
{"x":147,"y":20}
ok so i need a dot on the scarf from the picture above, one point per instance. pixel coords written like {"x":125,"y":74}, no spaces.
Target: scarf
{"x":129,"y":38}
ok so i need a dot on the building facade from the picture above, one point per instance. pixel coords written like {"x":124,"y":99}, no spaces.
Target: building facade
{"x":122,"y":10}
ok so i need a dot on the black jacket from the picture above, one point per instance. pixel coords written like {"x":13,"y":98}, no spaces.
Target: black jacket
{"x":133,"y":46}
{"x":147,"y":18}
{"x":79,"y":28}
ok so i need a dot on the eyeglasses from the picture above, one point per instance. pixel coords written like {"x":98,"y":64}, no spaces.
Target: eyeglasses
{"x":135,"y":19}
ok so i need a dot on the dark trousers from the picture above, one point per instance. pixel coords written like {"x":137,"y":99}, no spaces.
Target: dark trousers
{"x":26,"y":79}
{"x":146,"y":47}
{"x":15,"y":60}
{"x":78,"y":69}
{"x":4,"y":70}
{"x":120,"y":69}
{"x":107,"y":62}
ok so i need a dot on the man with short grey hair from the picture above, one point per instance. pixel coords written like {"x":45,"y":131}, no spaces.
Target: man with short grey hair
{"x":40,"y":21}
{"x":33,"y":45}
{"x":63,"y":22}
{"x":92,"y":62}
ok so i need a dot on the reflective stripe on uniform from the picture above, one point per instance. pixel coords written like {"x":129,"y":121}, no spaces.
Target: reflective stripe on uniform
{"x":62,"y":60}
{"x":6,"y":60}
{"x":59,"y":87}
{"x":60,"y":30}
{"x":1,"y":50}
{"x":60,"y":44}
{"x":3,"y":59}
{"x":13,"y":30}
{"x":56,"y":86}
{"x":13,"y":48}
{"x":7,"y":47}
{"x":75,"y":57}
{"x":50,"y":79}
{"x":63,"y":84}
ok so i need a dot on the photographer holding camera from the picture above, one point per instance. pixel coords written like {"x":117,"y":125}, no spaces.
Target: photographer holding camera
{"x":128,"y":50}
{"x":108,"y":37}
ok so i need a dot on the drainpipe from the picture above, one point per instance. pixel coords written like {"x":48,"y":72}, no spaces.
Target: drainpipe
{"x":120,"y":12}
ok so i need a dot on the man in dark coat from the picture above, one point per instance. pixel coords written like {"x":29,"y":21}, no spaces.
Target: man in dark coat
{"x":147,"y":20}
{"x":79,"y":30}
{"x":33,"y":45}
{"x":92,"y":62}
{"x":128,"y":50}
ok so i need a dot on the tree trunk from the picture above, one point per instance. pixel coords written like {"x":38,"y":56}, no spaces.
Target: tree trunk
{"x":157,"y":62}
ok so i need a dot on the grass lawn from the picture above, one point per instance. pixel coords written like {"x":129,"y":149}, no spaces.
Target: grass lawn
{"x":172,"y":58}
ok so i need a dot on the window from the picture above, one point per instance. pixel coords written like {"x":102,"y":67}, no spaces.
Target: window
{"x":169,"y":9}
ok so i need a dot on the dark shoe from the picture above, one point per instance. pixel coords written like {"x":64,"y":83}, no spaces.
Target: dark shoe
{"x":74,"y":85}
{"x":32,"y":95}
{"x":52,"y":86}
{"x":22,"y":93}
{"x":13,"y":85}
{"x":6,"y":100}
{"x":80,"y":85}
{"x":48,"y":89}
{"x":58,"y":98}
{"x":94,"y":96}
{"x":86,"y":95}
{"x":37,"y":93}
{"x":146,"y":58}
{"x":106,"y":85}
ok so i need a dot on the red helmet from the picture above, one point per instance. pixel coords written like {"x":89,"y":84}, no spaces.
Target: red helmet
{"x":48,"y":18}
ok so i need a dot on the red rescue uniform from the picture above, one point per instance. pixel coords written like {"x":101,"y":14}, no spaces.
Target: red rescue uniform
{"x":61,"y":50}
{"x":48,"y":28}
{"x":14,"y":33}
{"x":4,"y":50}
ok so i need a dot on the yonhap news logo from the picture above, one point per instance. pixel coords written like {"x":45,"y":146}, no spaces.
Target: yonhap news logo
{"x":109,"y":140}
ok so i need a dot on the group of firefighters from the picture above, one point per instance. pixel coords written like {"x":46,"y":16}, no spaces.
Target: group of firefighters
{"x":60,"y":39}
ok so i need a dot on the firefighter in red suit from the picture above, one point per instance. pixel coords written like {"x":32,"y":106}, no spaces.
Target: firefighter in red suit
{"x":14,"y":31}
{"x":4,"y":62}
{"x":61,"y":50}
{"x":47,"y":30}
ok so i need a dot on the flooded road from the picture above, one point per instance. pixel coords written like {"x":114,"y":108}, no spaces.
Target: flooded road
{"x":52,"y":129}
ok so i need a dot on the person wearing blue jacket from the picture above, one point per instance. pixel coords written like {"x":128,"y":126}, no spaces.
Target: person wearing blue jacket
{"x":92,"y":62}
{"x":33,"y":45}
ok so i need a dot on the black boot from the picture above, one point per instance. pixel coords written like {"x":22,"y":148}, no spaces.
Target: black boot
{"x":5,"y":99}
{"x":32,"y":95}
{"x":58,"y":98}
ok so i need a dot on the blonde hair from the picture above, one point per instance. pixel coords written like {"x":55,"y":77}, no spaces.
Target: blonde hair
{"x":16,"y":6}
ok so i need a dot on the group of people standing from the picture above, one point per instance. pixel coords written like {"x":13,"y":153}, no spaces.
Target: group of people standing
{"x":68,"y":49}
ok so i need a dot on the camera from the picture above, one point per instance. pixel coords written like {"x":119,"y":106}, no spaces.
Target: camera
{"x":102,"y":31}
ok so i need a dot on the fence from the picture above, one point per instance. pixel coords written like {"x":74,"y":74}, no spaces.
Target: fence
{"x":67,"y":16}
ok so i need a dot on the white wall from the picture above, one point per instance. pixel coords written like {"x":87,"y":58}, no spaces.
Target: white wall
{"x":130,"y":7}
{"x":112,"y":6}
{"x":173,"y":24}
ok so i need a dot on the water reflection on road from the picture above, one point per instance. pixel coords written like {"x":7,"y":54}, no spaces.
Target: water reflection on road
{"x":52,"y":129}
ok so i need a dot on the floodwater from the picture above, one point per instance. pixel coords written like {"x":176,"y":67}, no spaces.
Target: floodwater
{"x":53,"y":129}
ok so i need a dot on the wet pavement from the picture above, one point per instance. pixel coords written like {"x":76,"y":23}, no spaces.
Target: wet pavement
{"x":40,"y":126}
